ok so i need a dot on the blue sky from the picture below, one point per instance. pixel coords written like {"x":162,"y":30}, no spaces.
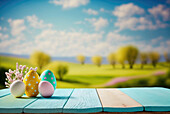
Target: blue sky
{"x":89,"y":27}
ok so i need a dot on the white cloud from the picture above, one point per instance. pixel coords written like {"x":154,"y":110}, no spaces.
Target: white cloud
{"x":56,"y":43}
{"x":91,"y":11}
{"x":105,"y":11}
{"x":116,"y":40}
{"x":102,"y":9}
{"x":62,"y":43}
{"x":145,"y":46}
{"x":23,"y":48}
{"x":160,"y":10}
{"x":127,"y":10}
{"x":129,"y":23}
{"x":140,"y":23}
{"x":3,"y":36}
{"x":36,"y":23}
{"x":127,"y":19}
{"x":69,"y":3}
{"x":156,"y":40}
{"x":114,"y":36}
{"x":17,"y":26}
{"x":5,"y":29}
{"x":72,"y":43}
{"x":98,"y":23}
{"x":7,"y":45}
{"x":161,"y":46}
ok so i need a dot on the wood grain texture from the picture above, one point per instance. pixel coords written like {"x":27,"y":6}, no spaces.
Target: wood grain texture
{"x":10,"y":104}
{"x":4,"y":92}
{"x":87,"y":101}
{"x":113,"y":100}
{"x":153,"y":99}
{"x":83,"y":101}
{"x":53,"y":104}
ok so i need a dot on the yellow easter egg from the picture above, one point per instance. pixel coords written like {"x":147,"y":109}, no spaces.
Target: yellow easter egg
{"x":31,"y":81}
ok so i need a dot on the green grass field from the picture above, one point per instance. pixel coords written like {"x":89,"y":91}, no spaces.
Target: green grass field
{"x":88,"y":75}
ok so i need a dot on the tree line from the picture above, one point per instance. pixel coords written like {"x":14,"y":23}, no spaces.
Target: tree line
{"x":124,"y":54}
{"x":128,"y":54}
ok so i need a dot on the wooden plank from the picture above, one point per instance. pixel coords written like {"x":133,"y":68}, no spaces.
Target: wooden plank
{"x":4,"y":92}
{"x":153,"y":99}
{"x":113,"y":100}
{"x":10,"y":104}
{"x":53,"y":104}
{"x":111,"y":113}
{"x":83,"y":101}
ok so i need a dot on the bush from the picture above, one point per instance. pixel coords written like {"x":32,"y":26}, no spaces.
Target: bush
{"x":2,"y":76}
{"x":168,"y":83}
{"x":59,"y":70}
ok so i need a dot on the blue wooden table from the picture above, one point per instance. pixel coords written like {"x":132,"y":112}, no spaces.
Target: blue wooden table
{"x":89,"y":101}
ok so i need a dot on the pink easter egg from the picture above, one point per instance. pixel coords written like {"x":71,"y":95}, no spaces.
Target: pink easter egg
{"x":46,"y":89}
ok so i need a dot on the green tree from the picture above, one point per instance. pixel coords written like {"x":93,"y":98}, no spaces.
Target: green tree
{"x":40,"y":59}
{"x":131,"y":53}
{"x":121,"y":56}
{"x":167,"y":57}
{"x":61,"y":70}
{"x":97,"y":60}
{"x":112,"y":59}
{"x":81,"y":59}
{"x":143,"y":59}
{"x":154,"y":58}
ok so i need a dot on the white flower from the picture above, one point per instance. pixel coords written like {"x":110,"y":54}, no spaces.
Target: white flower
{"x":16,"y":74}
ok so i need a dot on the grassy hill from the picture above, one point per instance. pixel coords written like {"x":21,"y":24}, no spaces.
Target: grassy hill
{"x":84,"y":76}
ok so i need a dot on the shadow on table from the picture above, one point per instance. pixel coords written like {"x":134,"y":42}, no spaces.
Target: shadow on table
{"x":56,"y":97}
{"x":53,"y":97}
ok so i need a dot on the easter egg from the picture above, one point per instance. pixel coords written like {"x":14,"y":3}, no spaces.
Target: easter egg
{"x":47,"y":75}
{"x":31,"y":81}
{"x":46,"y":89}
{"x":17,"y":88}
